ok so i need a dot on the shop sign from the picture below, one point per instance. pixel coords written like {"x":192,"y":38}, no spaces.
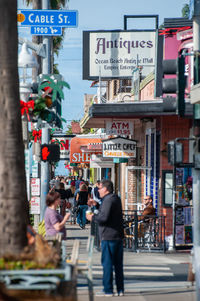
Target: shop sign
{"x":80,"y":158}
{"x":35,"y":205}
{"x":35,"y":186}
{"x":78,"y":154}
{"x":119,"y":148}
{"x":119,"y":127}
{"x":64,"y":143}
{"x":116,"y":54}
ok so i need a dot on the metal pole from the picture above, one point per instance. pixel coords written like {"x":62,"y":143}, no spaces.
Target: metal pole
{"x":46,"y":63}
{"x":44,"y":175}
{"x":196,"y":172}
{"x":174,"y":204}
{"x":46,"y":69}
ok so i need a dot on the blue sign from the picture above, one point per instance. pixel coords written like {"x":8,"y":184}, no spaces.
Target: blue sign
{"x":42,"y":17}
{"x":46,"y":31}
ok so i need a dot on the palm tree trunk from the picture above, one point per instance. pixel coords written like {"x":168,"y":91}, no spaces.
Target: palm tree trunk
{"x":13,"y":199}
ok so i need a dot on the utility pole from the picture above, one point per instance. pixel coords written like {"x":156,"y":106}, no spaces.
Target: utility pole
{"x":46,"y":63}
{"x":46,"y":69}
{"x":196,"y":171}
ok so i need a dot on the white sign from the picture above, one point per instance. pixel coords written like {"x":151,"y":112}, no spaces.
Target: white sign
{"x":35,"y":205}
{"x":64,"y":144}
{"x":35,"y":169}
{"x":118,"y":53}
{"x":119,"y":127}
{"x":35,"y":186}
{"x":119,"y":148}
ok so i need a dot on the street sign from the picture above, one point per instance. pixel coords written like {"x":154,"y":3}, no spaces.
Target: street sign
{"x":46,"y":31}
{"x":43,"y":17}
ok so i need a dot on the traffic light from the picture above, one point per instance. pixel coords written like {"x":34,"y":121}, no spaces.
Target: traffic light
{"x":175,"y":85}
{"x":50,"y":152}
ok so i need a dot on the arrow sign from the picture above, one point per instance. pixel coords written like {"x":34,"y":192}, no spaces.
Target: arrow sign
{"x":43,"y":17}
{"x":46,"y":31}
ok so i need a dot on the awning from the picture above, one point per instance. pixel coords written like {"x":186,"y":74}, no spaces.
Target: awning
{"x":97,"y":161}
{"x":79,"y":152}
{"x":92,"y":148}
{"x":100,"y":113}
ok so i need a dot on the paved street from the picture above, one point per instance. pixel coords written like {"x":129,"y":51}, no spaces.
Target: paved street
{"x":148,"y":276}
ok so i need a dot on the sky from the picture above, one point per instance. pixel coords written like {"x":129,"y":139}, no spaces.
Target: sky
{"x":99,"y":15}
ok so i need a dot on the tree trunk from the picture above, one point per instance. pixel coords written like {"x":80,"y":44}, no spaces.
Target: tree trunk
{"x":13,"y":199}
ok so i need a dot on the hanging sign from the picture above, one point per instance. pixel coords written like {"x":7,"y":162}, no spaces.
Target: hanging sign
{"x":119,"y":148}
{"x":64,"y":143}
{"x":116,"y":54}
{"x":119,"y":127}
{"x":77,"y":145}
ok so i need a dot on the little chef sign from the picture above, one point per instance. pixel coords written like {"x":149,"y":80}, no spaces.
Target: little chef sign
{"x":119,"y":148}
{"x":119,"y":127}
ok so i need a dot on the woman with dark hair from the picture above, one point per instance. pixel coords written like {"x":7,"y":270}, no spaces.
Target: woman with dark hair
{"x":54,"y":222}
{"x":82,"y":199}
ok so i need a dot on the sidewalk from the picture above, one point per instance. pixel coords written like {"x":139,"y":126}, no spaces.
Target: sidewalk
{"x":148,"y":276}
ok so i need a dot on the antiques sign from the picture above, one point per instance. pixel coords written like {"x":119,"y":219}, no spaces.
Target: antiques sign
{"x":115,"y":54}
{"x":119,"y":127}
{"x":119,"y":148}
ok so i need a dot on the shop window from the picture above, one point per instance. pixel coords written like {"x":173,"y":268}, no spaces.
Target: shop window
{"x":167,"y":177}
{"x":125,"y":86}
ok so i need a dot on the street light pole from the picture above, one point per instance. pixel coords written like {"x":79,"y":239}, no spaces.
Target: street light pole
{"x":46,"y":63}
{"x":46,"y":69}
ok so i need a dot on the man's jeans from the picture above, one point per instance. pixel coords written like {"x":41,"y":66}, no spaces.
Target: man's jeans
{"x":112,"y":256}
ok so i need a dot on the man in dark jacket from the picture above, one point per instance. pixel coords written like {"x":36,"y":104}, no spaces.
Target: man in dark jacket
{"x":110,"y":224}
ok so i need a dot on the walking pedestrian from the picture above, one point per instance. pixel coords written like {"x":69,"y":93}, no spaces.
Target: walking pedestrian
{"x":54,"y":222}
{"x":110,"y":224}
{"x":64,"y":194}
{"x":82,"y":199}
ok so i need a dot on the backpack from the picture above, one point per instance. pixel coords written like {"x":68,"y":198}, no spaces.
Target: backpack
{"x":41,"y":228}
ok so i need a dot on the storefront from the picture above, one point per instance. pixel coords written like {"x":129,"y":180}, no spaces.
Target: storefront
{"x":86,"y":153}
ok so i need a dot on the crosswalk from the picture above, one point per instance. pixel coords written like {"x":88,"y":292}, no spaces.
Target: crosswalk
{"x":138,"y":270}
{"x":141,"y":277}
